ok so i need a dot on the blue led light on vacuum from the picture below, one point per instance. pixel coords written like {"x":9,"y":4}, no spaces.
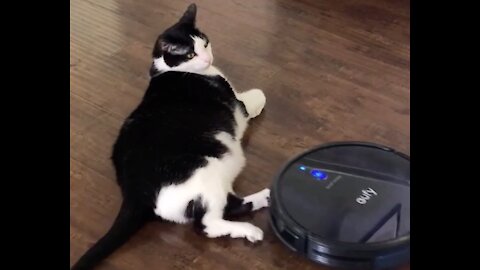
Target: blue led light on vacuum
{"x":302,"y":168}
{"x":319,"y":175}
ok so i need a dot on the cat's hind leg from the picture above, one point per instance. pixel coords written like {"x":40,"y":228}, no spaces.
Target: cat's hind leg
{"x":214,"y":225}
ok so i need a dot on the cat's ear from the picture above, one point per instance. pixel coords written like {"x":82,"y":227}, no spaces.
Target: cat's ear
{"x":189,"y":15}
{"x":173,"y":48}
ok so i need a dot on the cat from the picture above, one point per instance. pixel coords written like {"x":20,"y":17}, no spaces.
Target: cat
{"x":179,"y":152}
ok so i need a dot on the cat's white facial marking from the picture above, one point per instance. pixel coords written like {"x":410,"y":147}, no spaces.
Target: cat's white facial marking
{"x":203,"y":51}
{"x":201,"y":63}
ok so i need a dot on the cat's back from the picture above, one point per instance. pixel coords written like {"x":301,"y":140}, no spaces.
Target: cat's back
{"x":178,"y":117}
{"x":178,"y":101}
{"x":179,"y":87}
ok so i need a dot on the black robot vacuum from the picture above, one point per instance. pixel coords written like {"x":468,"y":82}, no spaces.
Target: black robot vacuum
{"x":345,"y":205}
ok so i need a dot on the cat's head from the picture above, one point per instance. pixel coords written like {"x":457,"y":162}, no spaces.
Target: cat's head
{"x":182,"y":47}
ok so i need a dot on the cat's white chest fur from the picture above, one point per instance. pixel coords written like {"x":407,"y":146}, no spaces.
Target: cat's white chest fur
{"x":212,"y":182}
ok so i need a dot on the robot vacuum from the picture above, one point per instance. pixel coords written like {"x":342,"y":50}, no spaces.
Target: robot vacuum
{"x":345,"y":205}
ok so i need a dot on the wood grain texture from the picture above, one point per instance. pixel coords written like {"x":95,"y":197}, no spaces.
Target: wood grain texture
{"x":331,"y":70}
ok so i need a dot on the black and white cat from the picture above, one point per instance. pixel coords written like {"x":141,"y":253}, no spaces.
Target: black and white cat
{"x":179,"y":152}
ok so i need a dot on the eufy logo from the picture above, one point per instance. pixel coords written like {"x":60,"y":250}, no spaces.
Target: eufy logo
{"x":366,"y":195}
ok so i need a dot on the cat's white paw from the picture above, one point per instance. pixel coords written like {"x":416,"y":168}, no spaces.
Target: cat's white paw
{"x":235,"y":230}
{"x":259,"y":200}
{"x":249,"y":231}
{"x":264,"y":198}
{"x":254,"y":100}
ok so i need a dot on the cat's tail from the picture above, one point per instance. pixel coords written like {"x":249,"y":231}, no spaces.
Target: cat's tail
{"x":130,"y":219}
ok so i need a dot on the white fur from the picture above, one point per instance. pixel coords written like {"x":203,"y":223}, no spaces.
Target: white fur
{"x":259,"y":200}
{"x":254,"y":101}
{"x":216,"y":227}
{"x":213,"y":182}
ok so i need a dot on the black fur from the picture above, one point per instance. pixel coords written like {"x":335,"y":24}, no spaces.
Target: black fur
{"x":195,"y":211}
{"x":236,"y":207}
{"x":164,"y":140}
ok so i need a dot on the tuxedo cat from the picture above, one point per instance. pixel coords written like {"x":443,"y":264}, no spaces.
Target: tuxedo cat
{"x":179,"y":151}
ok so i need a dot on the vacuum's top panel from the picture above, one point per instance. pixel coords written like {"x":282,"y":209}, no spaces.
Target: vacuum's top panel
{"x":348,"y":192}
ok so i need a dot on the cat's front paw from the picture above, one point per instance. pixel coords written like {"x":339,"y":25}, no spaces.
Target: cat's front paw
{"x":259,"y":200}
{"x":254,"y":100}
{"x":249,"y":231}
{"x":235,"y":230}
{"x":264,"y":198}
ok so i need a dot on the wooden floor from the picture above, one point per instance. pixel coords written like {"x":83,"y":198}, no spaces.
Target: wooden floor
{"x":331,"y":70}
